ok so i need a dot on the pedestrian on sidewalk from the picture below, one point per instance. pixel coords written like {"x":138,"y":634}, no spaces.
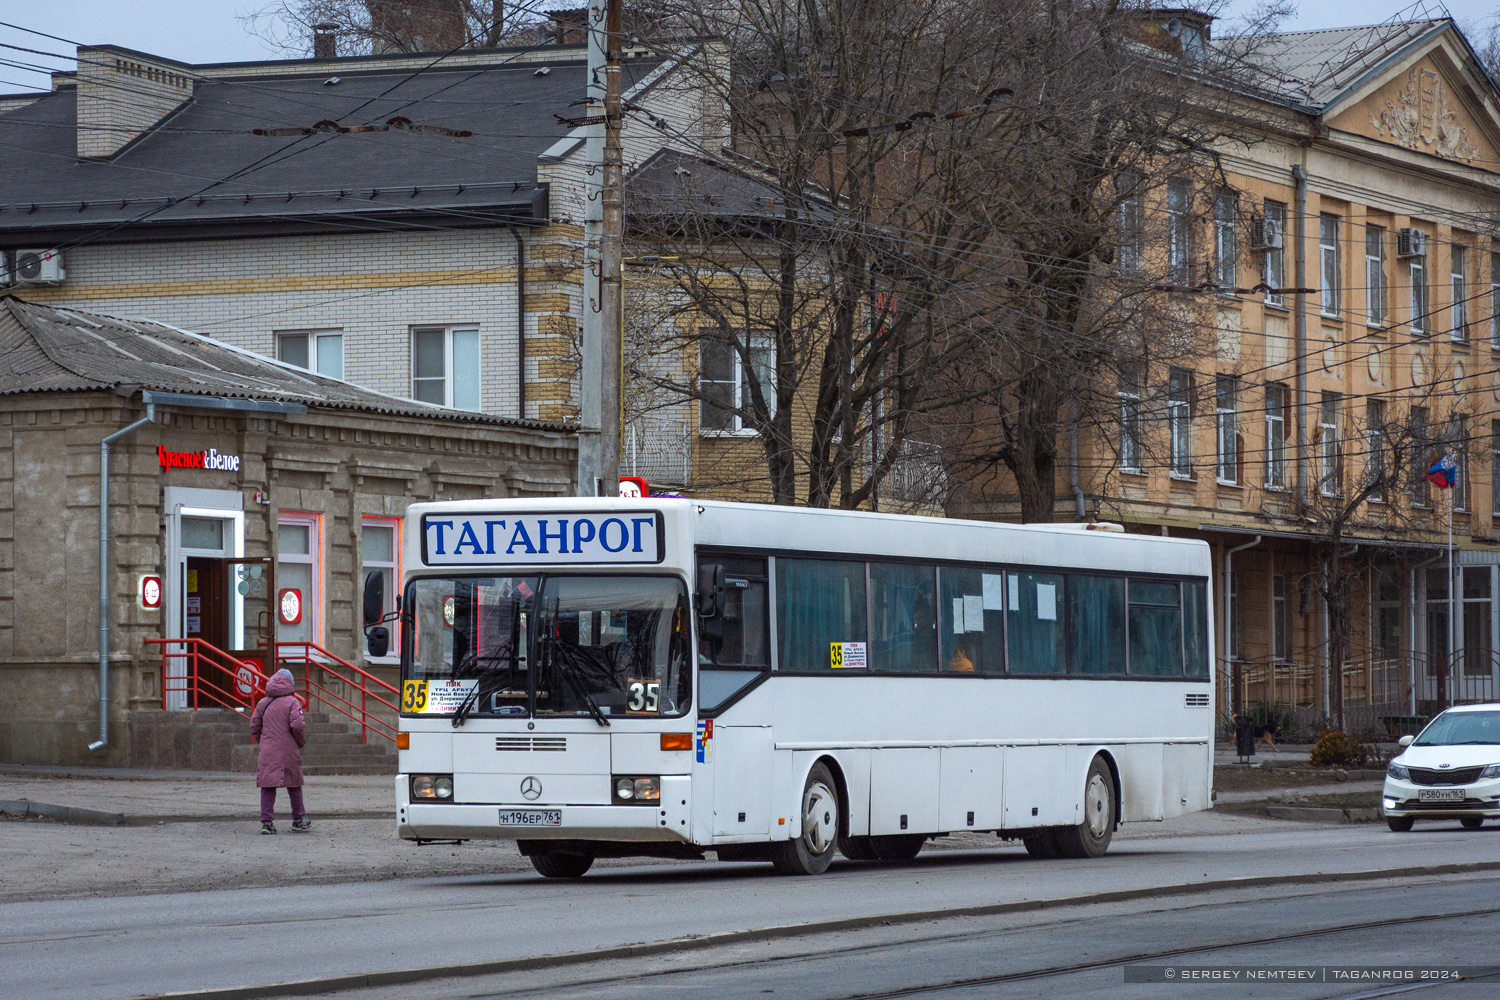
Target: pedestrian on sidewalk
{"x":278,"y":723}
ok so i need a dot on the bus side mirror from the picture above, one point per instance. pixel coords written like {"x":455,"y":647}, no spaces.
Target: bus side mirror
{"x":710,"y":590}
{"x":378,"y":640}
{"x":374,"y":607}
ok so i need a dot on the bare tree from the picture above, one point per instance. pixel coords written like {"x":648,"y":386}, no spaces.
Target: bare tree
{"x":363,"y":27}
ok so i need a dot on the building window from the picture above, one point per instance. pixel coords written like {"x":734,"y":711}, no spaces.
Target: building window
{"x":1495,"y":466}
{"x":1227,"y":420}
{"x":1281,"y":644}
{"x":1131,"y":220}
{"x":1180,"y":421}
{"x":1276,"y":407}
{"x":1458,"y":309}
{"x":725,"y":378}
{"x":1180,"y":232}
{"x":1225,"y":245}
{"x":1375,"y":275}
{"x":1495,"y":301}
{"x":380,"y":552}
{"x":1273,"y":265}
{"x":299,"y":549}
{"x":1236,"y":620}
{"x":1417,"y":269}
{"x":1375,"y":445}
{"x":1328,"y":257}
{"x":1328,"y":445}
{"x":445,"y":366}
{"x":320,"y":351}
{"x":1130,"y":419}
{"x":1459,"y":448}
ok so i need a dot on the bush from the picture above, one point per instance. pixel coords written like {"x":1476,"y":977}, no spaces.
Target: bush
{"x":1337,"y":748}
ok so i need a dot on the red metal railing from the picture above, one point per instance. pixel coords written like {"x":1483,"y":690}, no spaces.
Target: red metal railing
{"x":207,"y":676}
{"x":319,"y":666}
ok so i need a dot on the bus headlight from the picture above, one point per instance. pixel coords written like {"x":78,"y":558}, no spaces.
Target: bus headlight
{"x":638,"y":790}
{"x":432,"y":787}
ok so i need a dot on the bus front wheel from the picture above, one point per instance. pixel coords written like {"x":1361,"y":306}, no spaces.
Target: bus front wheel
{"x":1090,"y":839}
{"x":557,"y":865}
{"x":812,"y":852}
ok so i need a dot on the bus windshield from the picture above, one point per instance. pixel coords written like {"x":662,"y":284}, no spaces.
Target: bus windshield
{"x":599,"y":646}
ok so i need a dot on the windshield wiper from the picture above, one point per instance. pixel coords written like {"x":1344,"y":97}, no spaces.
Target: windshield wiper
{"x":466,"y":707}
{"x":563,"y":657}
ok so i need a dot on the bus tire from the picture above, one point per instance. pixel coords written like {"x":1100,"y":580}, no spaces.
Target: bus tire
{"x":1090,"y":839}
{"x":898,"y":847}
{"x":1040,"y":843}
{"x":559,"y":865}
{"x":812,"y":851}
{"x":858,"y":849}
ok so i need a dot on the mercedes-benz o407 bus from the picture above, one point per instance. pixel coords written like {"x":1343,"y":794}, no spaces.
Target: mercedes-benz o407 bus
{"x":668,"y":677}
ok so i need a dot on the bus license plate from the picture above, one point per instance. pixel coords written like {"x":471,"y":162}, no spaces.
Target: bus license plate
{"x":1440,"y":794}
{"x":531,"y":817}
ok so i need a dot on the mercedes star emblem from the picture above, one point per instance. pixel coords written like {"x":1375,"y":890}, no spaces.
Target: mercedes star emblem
{"x":531,"y":789}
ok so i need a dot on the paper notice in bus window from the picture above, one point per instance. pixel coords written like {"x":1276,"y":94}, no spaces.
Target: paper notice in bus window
{"x":1013,"y":592}
{"x":973,"y":613}
{"x":1046,"y":602}
{"x":958,"y":616}
{"x":846,"y":655}
{"x":445,"y":696}
{"x":992,"y":590}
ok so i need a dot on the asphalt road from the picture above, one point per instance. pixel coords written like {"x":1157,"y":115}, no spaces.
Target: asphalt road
{"x":145,"y":944}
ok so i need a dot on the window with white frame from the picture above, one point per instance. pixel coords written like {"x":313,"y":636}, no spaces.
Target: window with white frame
{"x":1276,"y":407}
{"x":1416,"y":268}
{"x":1328,"y":270}
{"x":380,"y":552}
{"x":1130,"y":419}
{"x":1179,"y":231}
{"x":1460,"y":451}
{"x":320,"y":351}
{"x":445,"y":366}
{"x":1226,"y":246}
{"x":1131,"y":218}
{"x":1458,"y":284}
{"x":1180,"y":421}
{"x":298,"y":577}
{"x":1328,"y":444}
{"x":1375,"y":444}
{"x":726,"y":377}
{"x":1226,"y":416}
{"x":1273,"y":265}
{"x":1495,"y":301}
{"x":1495,"y":467}
{"x":1375,"y":275}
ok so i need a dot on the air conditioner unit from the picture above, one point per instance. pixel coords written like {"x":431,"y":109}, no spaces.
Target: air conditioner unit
{"x":1411,"y":243}
{"x":39,"y":267}
{"x":1265,"y":234}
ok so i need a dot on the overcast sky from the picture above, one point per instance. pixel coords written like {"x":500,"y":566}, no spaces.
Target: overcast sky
{"x":204,"y":31}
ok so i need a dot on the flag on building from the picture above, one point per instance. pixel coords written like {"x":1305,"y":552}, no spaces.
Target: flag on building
{"x":1443,"y":473}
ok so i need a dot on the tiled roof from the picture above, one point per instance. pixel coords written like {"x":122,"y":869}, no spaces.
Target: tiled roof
{"x":47,"y":349}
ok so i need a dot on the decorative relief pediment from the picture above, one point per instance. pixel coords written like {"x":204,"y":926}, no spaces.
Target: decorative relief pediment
{"x":1420,"y":111}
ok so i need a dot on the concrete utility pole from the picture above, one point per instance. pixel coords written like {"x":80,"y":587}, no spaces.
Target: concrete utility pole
{"x":604,"y":249}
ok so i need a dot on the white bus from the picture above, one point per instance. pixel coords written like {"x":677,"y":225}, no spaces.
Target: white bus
{"x":668,"y":677}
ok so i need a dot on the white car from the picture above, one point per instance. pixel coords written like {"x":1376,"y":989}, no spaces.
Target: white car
{"x":1450,"y":770}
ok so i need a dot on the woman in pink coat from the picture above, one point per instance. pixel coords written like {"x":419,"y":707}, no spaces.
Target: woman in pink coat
{"x":278,"y":723}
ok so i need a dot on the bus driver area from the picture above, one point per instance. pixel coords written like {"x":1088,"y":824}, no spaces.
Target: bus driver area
{"x":660,"y":677}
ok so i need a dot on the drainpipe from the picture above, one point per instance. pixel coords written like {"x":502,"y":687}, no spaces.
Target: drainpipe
{"x":1229,"y":615}
{"x":520,"y":323}
{"x":104,"y":568}
{"x":1082,"y":514}
{"x":1300,"y":313}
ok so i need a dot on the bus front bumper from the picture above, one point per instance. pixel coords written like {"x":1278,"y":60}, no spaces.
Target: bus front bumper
{"x":667,"y":820}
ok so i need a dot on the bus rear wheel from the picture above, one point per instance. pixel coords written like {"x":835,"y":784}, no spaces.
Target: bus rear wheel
{"x":558,"y":865}
{"x":1090,"y":839}
{"x":812,"y":852}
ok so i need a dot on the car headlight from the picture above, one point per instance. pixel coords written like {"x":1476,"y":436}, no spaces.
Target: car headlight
{"x":432,"y":787}
{"x":643,"y":791}
{"x":1395,"y":770}
{"x":1493,"y":771}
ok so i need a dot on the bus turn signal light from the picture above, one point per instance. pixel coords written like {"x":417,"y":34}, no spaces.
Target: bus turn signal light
{"x":677,"y":741}
{"x":403,"y":741}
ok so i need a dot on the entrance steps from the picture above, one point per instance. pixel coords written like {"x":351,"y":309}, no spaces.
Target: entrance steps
{"x":219,"y":740}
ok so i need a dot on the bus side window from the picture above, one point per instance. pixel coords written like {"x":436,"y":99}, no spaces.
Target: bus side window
{"x":1195,"y":626}
{"x":745,"y":642}
{"x":1033,"y":633}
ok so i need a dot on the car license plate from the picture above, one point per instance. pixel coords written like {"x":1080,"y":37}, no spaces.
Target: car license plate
{"x":1440,"y":794}
{"x":531,"y":817}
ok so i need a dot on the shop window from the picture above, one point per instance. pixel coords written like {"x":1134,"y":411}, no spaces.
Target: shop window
{"x":380,"y":552}
{"x":445,"y":366}
{"x":820,"y":614}
{"x":321,"y":351}
{"x":972,"y":616}
{"x":298,"y":569}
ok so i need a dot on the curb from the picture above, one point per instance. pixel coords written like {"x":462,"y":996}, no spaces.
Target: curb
{"x":1315,"y":814}
{"x":397,"y":977}
{"x":63,"y":814}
